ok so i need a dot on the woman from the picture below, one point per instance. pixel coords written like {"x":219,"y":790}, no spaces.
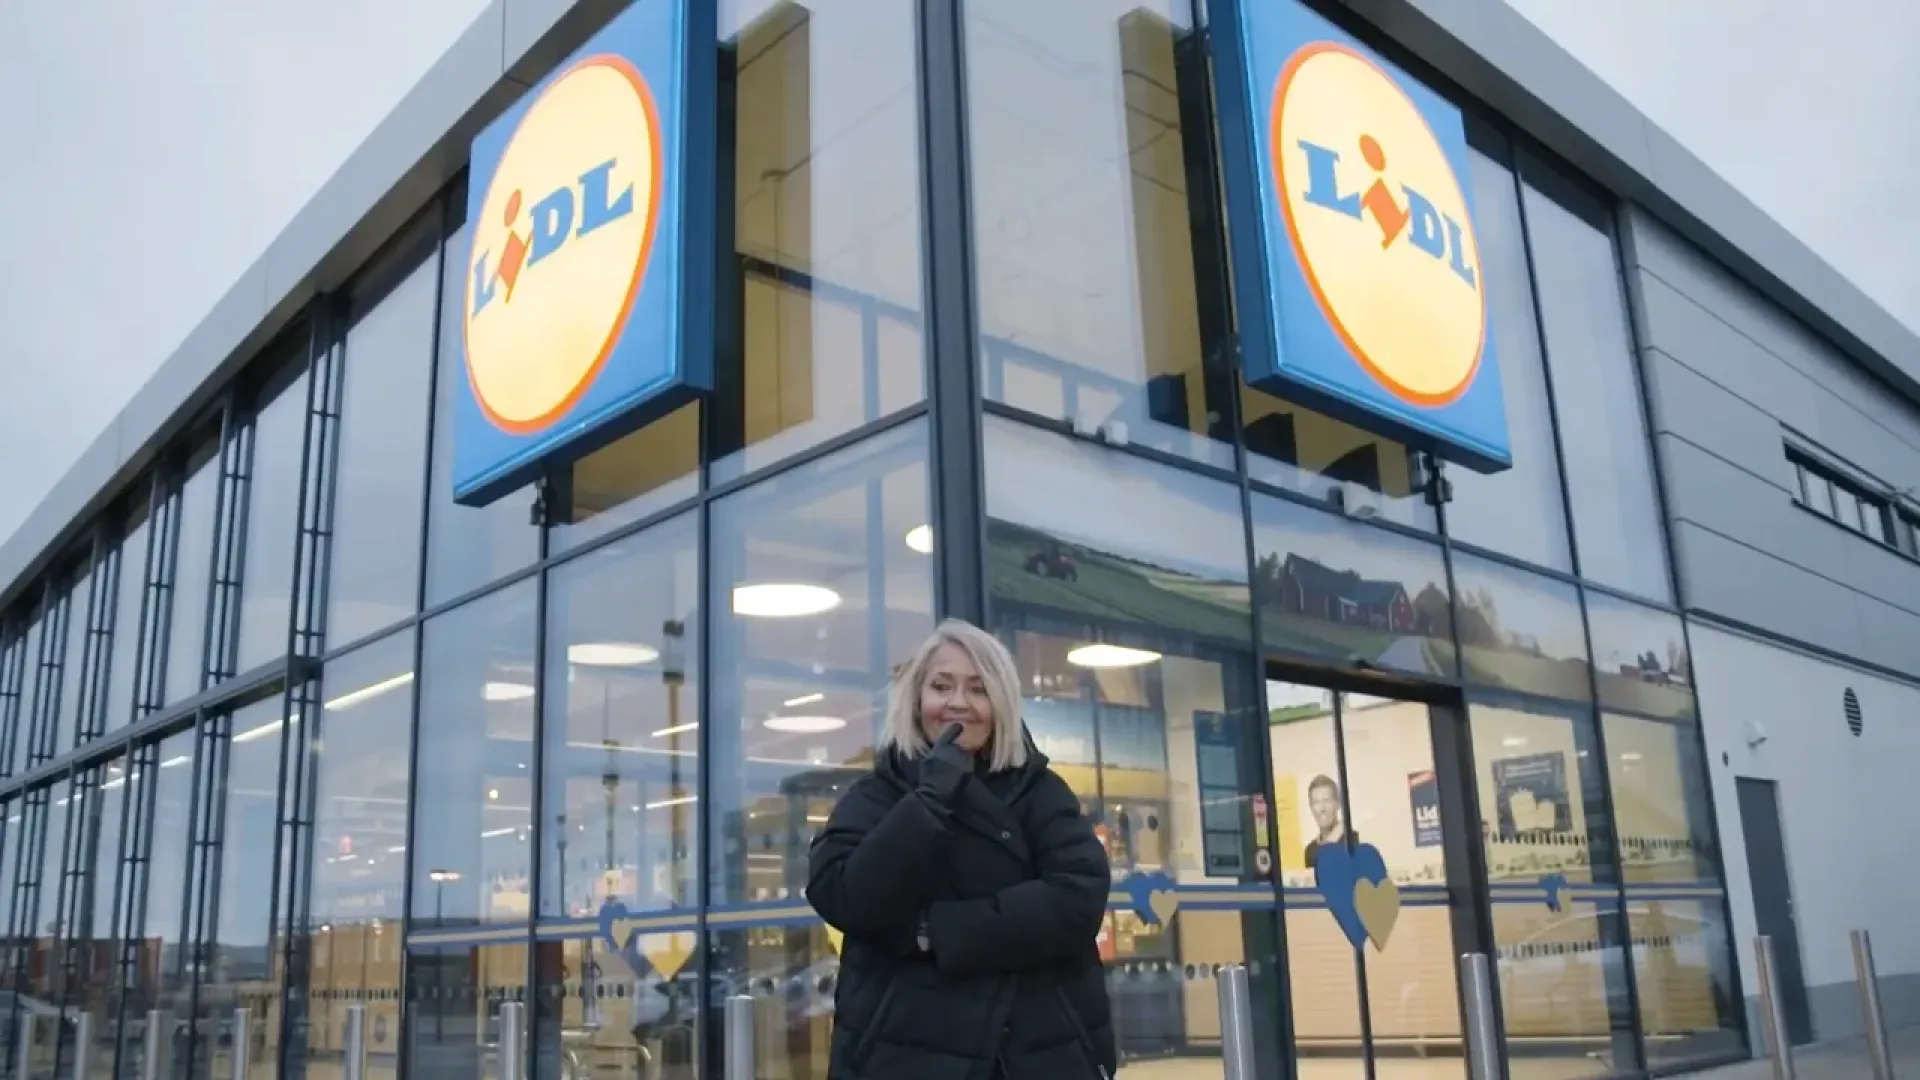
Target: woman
{"x":969,"y":888}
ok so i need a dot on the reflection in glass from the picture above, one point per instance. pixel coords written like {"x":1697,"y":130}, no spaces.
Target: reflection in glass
{"x":95,"y":937}
{"x":387,"y":371}
{"x":1350,"y":470}
{"x":1518,"y":512}
{"x":1120,"y":587}
{"x":43,"y":935}
{"x":827,"y":225}
{"x":240,"y":970}
{"x":1603,"y":429}
{"x":467,"y":547}
{"x":622,"y":727}
{"x":1640,"y":658}
{"x":472,"y":843}
{"x":13,"y":672}
{"x":1352,"y":594}
{"x":618,"y":1013}
{"x":361,"y":752}
{"x":1676,"y":897}
{"x":1090,"y":308}
{"x":13,"y":835}
{"x":817,"y":594}
{"x":1519,"y":631}
{"x":1553,"y":880}
{"x":163,"y":779}
{"x":26,"y":678}
{"x":192,"y":574}
{"x":123,"y":658}
{"x":273,"y":523}
{"x":454,"y":996}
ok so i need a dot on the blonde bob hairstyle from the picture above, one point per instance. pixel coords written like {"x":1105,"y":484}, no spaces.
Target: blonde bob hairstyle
{"x":995,"y":664}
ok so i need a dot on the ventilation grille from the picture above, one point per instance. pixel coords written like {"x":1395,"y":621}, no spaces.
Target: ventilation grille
{"x":1851,"y":702}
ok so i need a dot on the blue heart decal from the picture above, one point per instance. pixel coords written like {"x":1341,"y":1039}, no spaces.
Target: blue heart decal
{"x":617,"y":933}
{"x":1336,"y":870}
{"x":1554,"y":884}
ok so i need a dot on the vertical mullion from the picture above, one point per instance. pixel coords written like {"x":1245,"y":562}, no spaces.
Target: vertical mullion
{"x":956,"y":463}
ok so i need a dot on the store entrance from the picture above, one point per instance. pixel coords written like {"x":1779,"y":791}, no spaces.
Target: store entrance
{"x":1373,"y":839}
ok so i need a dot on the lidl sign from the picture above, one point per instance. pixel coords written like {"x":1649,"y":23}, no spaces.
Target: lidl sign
{"x":589,"y":268}
{"x":1364,"y":294}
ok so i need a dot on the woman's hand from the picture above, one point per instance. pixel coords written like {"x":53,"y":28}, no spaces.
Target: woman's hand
{"x":946,"y":768}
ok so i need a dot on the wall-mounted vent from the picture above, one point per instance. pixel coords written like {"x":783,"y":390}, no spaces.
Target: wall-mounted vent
{"x":1851,"y":702}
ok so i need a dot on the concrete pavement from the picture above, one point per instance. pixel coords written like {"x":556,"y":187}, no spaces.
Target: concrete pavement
{"x":1845,"y":1059}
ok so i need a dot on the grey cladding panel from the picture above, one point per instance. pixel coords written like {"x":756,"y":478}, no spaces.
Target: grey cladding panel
{"x":1726,"y":578}
{"x":1890,"y":636}
{"x":1707,"y":491}
{"x":1688,"y":404}
{"x":1681,"y":328}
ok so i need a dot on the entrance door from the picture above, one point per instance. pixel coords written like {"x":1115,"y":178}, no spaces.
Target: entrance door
{"x":1773,"y":899}
{"x":1364,"y":839}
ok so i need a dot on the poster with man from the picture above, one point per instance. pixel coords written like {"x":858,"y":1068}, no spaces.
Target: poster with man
{"x":1329,"y":816}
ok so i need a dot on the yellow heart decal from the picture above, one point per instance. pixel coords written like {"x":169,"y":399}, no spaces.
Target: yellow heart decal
{"x":667,"y":953}
{"x":1378,"y":907}
{"x":1164,"y":904}
{"x":834,"y":938}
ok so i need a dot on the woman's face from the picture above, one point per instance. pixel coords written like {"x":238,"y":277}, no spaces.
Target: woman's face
{"x":953,"y":692}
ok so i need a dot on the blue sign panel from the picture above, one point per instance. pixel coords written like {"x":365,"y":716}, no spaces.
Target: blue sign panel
{"x":589,"y":273}
{"x":1365,"y":294}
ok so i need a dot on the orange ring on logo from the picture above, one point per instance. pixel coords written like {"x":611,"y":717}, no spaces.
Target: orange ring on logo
{"x":625,"y":68}
{"x":1277,"y":152}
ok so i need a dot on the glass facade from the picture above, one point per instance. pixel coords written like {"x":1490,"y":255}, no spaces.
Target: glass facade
{"x":291,"y":732}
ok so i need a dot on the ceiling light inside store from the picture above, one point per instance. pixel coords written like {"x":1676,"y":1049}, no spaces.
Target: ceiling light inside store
{"x":365,"y":693}
{"x":611,"y":654}
{"x":783,"y":600}
{"x":507,"y":691}
{"x":1110,"y":656}
{"x":804,"y":725}
{"x":920,"y":539}
{"x":803,"y":699}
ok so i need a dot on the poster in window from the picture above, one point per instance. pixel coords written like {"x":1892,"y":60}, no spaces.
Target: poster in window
{"x":1532,"y":793}
{"x":1423,"y":792}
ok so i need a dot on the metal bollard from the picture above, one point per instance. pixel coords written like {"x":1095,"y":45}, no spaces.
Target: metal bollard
{"x":1878,"y":1052}
{"x":1483,"y":1028}
{"x":1236,"y":1023}
{"x":242,"y":1038}
{"x":739,"y":1038}
{"x":513,"y":1047}
{"x":354,"y":1045}
{"x":158,"y":1041}
{"x":1773,"y":1011}
{"x":29,"y":1027}
{"x":82,"y":1046}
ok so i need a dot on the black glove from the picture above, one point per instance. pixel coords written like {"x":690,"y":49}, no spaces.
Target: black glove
{"x":946,"y":768}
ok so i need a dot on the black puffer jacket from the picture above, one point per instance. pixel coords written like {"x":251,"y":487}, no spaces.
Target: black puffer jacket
{"x":1014,"y":886}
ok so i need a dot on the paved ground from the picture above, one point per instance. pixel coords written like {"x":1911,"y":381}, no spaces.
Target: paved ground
{"x":1844,"y":1060}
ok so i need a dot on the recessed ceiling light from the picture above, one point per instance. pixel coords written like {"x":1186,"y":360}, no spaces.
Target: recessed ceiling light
{"x":507,"y":691}
{"x":920,"y":539}
{"x":611,"y":654}
{"x":783,"y":600}
{"x":1110,"y":656}
{"x":1514,"y":741}
{"x":1630,"y":755}
{"x":804,"y":725}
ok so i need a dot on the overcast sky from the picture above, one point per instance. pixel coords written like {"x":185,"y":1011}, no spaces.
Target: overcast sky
{"x":153,"y":150}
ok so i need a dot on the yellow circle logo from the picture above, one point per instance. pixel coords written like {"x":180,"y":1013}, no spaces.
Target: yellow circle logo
{"x":1378,"y":223}
{"x":561,"y":243}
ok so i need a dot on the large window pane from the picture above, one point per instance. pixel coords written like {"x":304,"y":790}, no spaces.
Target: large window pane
{"x":96,"y":991}
{"x":163,"y":774}
{"x":826,"y":197}
{"x":273,"y":525}
{"x":13,"y":836}
{"x":1120,"y":585}
{"x":28,"y":681}
{"x":1090,"y":305}
{"x":44,"y":935}
{"x":819,"y":590}
{"x":1520,"y":631}
{"x":621,"y":819}
{"x":1676,"y":896}
{"x":454,"y":995}
{"x":1603,"y":429}
{"x":75,"y":688}
{"x":359,"y":850}
{"x":192,"y":574}
{"x":472,"y":843}
{"x":1554,"y":887}
{"x":382,"y":461}
{"x":467,"y":547}
{"x":128,"y":607}
{"x":13,"y":671}
{"x":1335,"y":591}
{"x":1519,"y":512}
{"x":240,"y":971}
{"x":1640,"y":658}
